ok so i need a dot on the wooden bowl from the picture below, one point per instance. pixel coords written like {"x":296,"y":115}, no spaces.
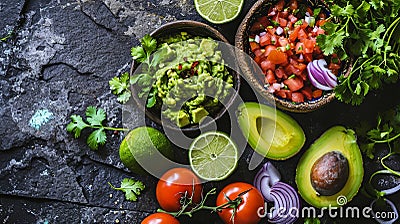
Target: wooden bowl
{"x":256,"y":81}
{"x":196,"y":29}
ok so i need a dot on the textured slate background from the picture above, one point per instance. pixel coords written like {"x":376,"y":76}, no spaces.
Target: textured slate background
{"x":59,"y":58}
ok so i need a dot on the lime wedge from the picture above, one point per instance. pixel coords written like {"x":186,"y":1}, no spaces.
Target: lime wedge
{"x":213,"y":156}
{"x":219,"y":11}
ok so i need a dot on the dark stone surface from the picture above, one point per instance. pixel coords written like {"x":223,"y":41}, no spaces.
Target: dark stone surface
{"x":59,"y":58}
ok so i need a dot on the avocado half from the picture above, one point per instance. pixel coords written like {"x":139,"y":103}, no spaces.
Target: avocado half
{"x":270,"y":132}
{"x":337,"y":139}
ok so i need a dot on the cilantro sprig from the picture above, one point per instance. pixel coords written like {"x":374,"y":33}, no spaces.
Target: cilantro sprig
{"x":94,"y":120}
{"x":130,"y":187}
{"x":369,"y":33}
{"x":144,"y":79}
{"x":386,"y":131}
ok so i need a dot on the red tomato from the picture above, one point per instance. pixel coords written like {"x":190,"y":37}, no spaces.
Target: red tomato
{"x":277,"y":57}
{"x":279,"y":6}
{"x":254,"y":46}
{"x":317,"y":93}
{"x":297,"y":97}
{"x":270,"y":77}
{"x":307,"y":92}
{"x":282,"y":22}
{"x":248,"y":211}
{"x":265,"y":40}
{"x":284,"y":93}
{"x":268,"y":49}
{"x":160,"y":218}
{"x":280,"y":73}
{"x":283,"y":41}
{"x":173,"y":185}
{"x":302,"y":34}
{"x":294,"y":34}
{"x":294,"y":84}
{"x":267,"y":65}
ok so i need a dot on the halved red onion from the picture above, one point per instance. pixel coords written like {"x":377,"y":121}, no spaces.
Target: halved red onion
{"x":285,"y":197}
{"x":392,"y":206}
{"x":320,"y":76}
{"x":265,"y":178}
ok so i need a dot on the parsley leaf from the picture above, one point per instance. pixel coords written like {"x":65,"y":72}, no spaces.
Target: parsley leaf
{"x":130,"y":187}
{"x":76,"y":125}
{"x":96,"y":138}
{"x":95,"y":117}
{"x":138,"y":54}
{"x":149,"y":44}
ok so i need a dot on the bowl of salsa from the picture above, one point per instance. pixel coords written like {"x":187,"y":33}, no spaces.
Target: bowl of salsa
{"x":281,"y":37}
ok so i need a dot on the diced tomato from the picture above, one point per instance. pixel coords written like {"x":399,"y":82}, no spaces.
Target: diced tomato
{"x":297,"y":97}
{"x":302,"y":34}
{"x":293,"y":5}
{"x":294,"y":84}
{"x":254,"y":46}
{"x":268,"y":50}
{"x":303,"y":75}
{"x":292,"y":18}
{"x":299,"y":48}
{"x":294,"y":34}
{"x":284,"y":14}
{"x":290,"y":69}
{"x":283,"y":41}
{"x":279,"y":6}
{"x":317,"y":93}
{"x":289,"y":53}
{"x":284,"y":93}
{"x":304,"y":25}
{"x":265,"y":40}
{"x":267,"y":65}
{"x":271,"y":31}
{"x":282,"y":22}
{"x":300,"y":66}
{"x":308,"y":57}
{"x":280,"y":73}
{"x":270,"y":77}
{"x":319,"y":31}
{"x":308,"y":46}
{"x":277,"y":57}
{"x":259,"y":52}
{"x":307,"y":92}
{"x":258,"y":59}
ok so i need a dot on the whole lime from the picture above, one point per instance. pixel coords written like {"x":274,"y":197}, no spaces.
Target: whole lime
{"x":141,"y":144}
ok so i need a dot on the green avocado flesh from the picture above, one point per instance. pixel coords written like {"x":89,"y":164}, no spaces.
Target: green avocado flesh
{"x":339,"y":140}
{"x":270,"y":132}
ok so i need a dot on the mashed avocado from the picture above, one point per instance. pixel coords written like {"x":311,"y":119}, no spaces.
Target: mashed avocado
{"x":190,"y":78}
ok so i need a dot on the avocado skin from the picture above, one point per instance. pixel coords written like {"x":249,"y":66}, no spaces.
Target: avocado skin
{"x":283,"y":127}
{"x":340,"y":139}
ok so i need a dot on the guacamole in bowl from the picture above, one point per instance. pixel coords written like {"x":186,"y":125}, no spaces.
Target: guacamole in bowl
{"x":185,"y":80}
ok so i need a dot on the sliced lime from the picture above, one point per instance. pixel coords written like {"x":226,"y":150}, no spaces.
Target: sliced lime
{"x":219,"y":11}
{"x":213,"y":156}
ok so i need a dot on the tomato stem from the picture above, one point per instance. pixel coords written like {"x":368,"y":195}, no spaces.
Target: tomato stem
{"x":231,"y":204}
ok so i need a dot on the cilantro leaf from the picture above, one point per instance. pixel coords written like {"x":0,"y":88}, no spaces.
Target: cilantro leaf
{"x":149,"y":44}
{"x":328,"y":43}
{"x":94,"y":120}
{"x":130,"y":187}
{"x":120,"y":87}
{"x":96,"y":138}
{"x":95,"y":117}
{"x":138,"y":54}
{"x":76,"y":125}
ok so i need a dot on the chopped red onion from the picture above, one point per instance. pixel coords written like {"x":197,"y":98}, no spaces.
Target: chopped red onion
{"x":263,"y":34}
{"x":257,"y":39}
{"x":279,"y":30}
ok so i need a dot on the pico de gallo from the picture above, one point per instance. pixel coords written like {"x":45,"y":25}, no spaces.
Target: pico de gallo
{"x":283,"y":44}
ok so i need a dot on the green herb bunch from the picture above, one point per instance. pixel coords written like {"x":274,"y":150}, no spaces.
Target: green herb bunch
{"x":368,"y":33}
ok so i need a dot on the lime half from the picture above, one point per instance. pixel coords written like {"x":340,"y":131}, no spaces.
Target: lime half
{"x":213,"y":156}
{"x":219,"y":11}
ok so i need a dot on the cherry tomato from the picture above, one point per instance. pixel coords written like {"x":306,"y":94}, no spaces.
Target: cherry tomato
{"x":160,"y":218}
{"x":174,"y":185}
{"x":248,"y":210}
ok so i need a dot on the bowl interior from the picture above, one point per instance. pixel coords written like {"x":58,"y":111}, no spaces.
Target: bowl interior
{"x":195,"y":29}
{"x":256,"y":79}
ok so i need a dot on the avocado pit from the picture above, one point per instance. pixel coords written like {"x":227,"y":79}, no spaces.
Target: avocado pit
{"x":329,"y":173}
